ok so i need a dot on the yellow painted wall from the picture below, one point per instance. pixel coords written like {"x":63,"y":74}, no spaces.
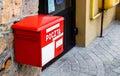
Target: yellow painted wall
{"x":90,"y":29}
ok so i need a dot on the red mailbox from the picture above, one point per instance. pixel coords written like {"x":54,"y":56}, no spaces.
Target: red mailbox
{"x":38,"y":39}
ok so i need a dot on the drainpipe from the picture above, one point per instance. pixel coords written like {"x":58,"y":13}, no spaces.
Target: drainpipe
{"x":92,"y":11}
{"x":102,"y":19}
{"x":93,"y":17}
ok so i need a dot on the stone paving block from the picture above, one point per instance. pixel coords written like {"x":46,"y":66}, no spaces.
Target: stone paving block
{"x":103,"y":53}
{"x":109,"y":49}
{"x":114,"y":48}
{"x":113,"y":74}
{"x":83,"y":66}
{"x":83,"y":74}
{"x":99,"y":65}
{"x":107,"y":54}
{"x":116,"y":63}
{"x":84,"y":70}
{"x":117,"y":70}
{"x":74,"y":73}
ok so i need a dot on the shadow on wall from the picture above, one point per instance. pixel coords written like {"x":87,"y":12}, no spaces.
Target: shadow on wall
{"x":118,"y":12}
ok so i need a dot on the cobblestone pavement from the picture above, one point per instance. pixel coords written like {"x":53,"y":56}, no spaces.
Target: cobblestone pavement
{"x":100,"y":58}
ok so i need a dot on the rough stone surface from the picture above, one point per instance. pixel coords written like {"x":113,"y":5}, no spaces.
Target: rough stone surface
{"x":2,"y":45}
{"x":11,"y":11}
{"x":14,"y":9}
{"x":7,"y":11}
{"x":10,"y":37}
{"x":17,"y":8}
{"x":100,"y":58}
{"x":28,"y":5}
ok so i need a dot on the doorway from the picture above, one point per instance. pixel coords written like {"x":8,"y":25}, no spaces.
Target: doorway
{"x":65,"y":8}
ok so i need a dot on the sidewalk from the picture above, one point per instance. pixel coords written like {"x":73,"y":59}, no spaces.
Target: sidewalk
{"x":100,"y":58}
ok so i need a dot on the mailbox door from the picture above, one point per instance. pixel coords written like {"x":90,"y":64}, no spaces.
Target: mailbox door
{"x":51,"y":42}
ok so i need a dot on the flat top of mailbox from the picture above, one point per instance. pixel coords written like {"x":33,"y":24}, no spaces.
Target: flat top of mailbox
{"x":37,"y":22}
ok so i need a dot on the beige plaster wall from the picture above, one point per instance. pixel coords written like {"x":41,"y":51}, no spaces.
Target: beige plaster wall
{"x":90,"y":29}
{"x":81,"y":21}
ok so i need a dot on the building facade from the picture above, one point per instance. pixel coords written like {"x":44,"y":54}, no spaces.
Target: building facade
{"x":86,"y":27}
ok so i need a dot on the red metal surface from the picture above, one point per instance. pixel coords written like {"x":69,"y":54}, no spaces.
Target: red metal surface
{"x":37,"y":23}
{"x":38,"y":37}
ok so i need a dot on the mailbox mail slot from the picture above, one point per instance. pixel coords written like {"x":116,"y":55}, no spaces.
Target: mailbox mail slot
{"x":38,"y":39}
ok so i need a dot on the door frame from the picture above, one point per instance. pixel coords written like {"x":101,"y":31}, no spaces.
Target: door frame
{"x":43,"y":9}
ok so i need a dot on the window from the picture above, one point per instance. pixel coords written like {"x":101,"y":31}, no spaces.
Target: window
{"x":56,"y":6}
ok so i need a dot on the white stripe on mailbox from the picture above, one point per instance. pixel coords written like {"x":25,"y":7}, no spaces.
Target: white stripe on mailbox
{"x":48,"y":53}
{"x":53,"y":27}
{"x":57,"y":36}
